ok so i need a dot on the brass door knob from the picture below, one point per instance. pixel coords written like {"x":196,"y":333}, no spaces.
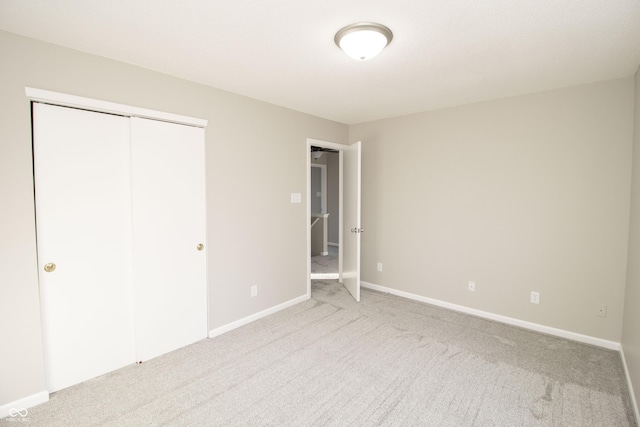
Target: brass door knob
{"x":49,"y":267}
{"x":200,"y":246}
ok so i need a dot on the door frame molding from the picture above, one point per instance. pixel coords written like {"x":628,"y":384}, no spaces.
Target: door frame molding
{"x":66,"y":100}
{"x":339,"y":148}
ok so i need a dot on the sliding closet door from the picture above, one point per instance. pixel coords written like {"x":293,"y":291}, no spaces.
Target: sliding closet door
{"x":169,"y":256}
{"x":83,"y":205}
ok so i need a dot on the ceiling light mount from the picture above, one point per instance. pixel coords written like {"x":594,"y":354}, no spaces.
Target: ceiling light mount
{"x":363,"y":40}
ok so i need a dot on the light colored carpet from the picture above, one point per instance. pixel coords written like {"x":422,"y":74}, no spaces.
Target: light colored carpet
{"x":326,"y":263}
{"x":384,"y":361}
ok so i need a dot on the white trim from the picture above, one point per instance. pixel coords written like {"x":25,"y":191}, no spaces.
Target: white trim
{"x":325,"y":276}
{"x":65,"y":100}
{"x":324,"y":253}
{"x":333,"y":244}
{"x":24,"y":403}
{"x":307,"y":219}
{"x":325,"y":144}
{"x":341,"y":235}
{"x":611,"y":345}
{"x":632,"y":395}
{"x":264,"y":313}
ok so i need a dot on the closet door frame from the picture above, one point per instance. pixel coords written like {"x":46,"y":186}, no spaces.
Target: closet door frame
{"x":98,"y":106}
{"x":65,"y":100}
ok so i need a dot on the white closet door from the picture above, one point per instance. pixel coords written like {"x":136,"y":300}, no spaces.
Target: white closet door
{"x":169,"y":223}
{"x":83,"y":211}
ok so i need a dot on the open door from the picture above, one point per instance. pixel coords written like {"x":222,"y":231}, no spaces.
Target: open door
{"x":350,"y":218}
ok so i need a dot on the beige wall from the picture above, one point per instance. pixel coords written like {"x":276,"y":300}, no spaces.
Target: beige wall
{"x":242,"y":251}
{"x":631,"y":325}
{"x":529,"y":193}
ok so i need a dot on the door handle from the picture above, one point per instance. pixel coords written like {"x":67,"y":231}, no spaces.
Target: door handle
{"x":357,"y":230}
{"x":200,"y":246}
{"x":49,"y":267}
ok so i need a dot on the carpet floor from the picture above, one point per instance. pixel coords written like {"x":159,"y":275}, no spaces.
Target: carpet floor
{"x":326,"y":263}
{"x":329,"y":361}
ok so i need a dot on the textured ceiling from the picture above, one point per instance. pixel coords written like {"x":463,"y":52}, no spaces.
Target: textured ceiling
{"x":444,"y":52}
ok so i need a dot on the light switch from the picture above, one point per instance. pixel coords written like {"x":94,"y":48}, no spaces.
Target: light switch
{"x":296,"y":198}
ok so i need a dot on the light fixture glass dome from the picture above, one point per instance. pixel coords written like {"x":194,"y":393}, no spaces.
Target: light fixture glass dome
{"x":364,"y":40}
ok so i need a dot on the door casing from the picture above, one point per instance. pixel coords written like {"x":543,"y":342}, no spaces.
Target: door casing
{"x":340,"y":148}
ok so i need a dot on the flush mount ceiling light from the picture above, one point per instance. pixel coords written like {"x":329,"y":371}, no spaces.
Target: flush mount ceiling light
{"x":363,"y":40}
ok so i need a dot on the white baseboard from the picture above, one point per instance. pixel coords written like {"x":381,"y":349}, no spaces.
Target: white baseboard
{"x":264,"y":313}
{"x":337,"y":245}
{"x":324,"y":253}
{"x":632,"y":395}
{"x":19,"y":409}
{"x":611,"y":345}
{"x":324,"y":276}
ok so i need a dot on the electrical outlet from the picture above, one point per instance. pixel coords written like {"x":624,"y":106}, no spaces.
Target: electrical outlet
{"x":379,"y":266}
{"x":254,"y":290}
{"x":601,"y":311}
{"x":535,"y":297}
{"x":472,"y":286}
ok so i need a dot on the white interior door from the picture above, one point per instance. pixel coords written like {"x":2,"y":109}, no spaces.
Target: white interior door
{"x":350,"y":218}
{"x":169,"y":225}
{"x":83,"y":205}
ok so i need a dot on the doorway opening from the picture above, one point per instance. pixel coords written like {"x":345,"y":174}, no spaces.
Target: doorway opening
{"x":324,"y":194}
{"x":327,"y":203}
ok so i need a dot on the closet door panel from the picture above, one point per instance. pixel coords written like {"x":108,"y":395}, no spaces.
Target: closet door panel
{"x":168,"y":227}
{"x":83,"y":219}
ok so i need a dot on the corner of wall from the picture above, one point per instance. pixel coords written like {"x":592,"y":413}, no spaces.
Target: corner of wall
{"x":630,"y":341}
